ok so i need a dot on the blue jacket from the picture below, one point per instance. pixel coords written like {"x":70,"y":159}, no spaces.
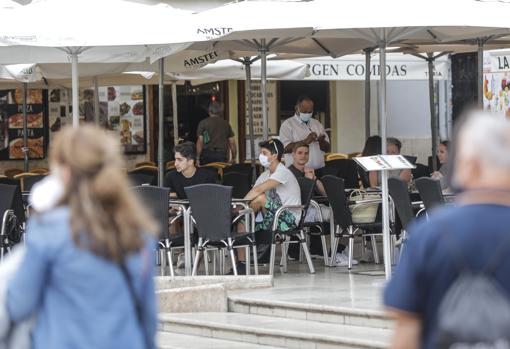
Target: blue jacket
{"x":80,"y":300}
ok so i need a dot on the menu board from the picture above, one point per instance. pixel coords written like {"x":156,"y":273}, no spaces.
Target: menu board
{"x":384,"y":162}
{"x":121,"y":109}
{"x":125,"y":113}
{"x":496,"y":93}
{"x":256,"y":95}
{"x":11,"y":124}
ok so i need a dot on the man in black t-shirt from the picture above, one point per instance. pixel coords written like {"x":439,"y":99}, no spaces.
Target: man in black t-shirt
{"x":186,"y":173}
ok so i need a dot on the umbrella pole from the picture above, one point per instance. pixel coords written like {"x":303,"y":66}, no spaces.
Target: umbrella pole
{"x":367,"y":51}
{"x":480,"y":43}
{"x":384,"y":173}
{"x":161,"y":169}
{"x":74,"y":78}
{"x":263,"y":86}
{"x":433,"y":116}
{"x":97,"y":112}
{"x":175,"y":112}
{"x":25,"y":128}
{"x":247,"y":64}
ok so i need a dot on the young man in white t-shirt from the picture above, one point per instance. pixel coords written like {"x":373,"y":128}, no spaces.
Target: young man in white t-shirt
{"x":275,"y":187}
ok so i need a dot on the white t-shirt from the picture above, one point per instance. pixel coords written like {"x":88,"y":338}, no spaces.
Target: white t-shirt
{"x":295,"y":130}
{"x":288,"y":191}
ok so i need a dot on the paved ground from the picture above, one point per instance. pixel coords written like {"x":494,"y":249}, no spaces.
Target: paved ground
{"x":360,"y":288}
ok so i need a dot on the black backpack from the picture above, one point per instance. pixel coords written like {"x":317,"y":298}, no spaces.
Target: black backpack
{"x":475,"y":311}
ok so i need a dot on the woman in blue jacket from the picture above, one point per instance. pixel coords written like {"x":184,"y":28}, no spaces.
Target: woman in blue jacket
{"x":87,"y":275}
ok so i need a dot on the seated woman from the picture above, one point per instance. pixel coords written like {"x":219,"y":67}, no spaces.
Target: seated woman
{"x":275,"y":187}
{"x":373,"y":147}
{"x":442,"y":154}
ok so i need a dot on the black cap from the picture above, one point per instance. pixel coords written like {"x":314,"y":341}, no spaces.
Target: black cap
{"x":274,"y":145}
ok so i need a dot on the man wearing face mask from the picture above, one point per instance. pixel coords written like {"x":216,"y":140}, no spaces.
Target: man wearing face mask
{"x":303,"y":128}
{"x":275,"y":187}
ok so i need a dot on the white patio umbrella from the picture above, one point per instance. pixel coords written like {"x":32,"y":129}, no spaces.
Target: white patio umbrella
{"x":364,"y":24}
{"x":424,"y":22}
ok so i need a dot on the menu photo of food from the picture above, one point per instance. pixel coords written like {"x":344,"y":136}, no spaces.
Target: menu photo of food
{"x":126,"y":115}
{"x":35,"y":148}
{"x":12,"y":111}
{"x":33,"y":120}
{"x":33,"y":96}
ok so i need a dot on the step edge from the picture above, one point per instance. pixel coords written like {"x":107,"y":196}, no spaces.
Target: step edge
{"x":277,"y":333}
{"x":376,"y":314}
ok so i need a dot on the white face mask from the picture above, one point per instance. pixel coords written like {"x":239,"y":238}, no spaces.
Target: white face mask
{"x":305,"y":117}
{"x":46,"y":194}
{"x":264,"y":160}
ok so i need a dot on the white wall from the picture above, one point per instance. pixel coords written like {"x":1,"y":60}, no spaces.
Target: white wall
{"x":408,"y":115}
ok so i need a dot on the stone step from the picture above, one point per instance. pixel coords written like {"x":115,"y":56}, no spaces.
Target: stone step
{"x":307,"y":311}
{"x":281,"y":332}
{"x":167,"y":340}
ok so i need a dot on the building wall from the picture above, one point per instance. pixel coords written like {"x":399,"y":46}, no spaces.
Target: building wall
{"x":407,"y":110}
{"x":233,"y":110}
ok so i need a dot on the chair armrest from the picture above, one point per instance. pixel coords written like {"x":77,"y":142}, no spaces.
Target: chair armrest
{"x":7,"y":214}
{"x":317,"y":207}
{"x":244,"y":212}
{"x":280,"y":210}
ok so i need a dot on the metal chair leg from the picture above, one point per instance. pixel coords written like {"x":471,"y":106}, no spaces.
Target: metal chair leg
{"x":195,"y":262}
{"x":332,"y":260}
{"x":248,"y":259}
{"x":255,"y":261}
{"x":374,"y":249}
{"x":307,"y":253}
{"x":351,"y":248}
{"x":325,"y":250}
{"x":170,"y":261}
{"x":232,"y":257}
{"x":221,"y":262}
{"x":272,"y":258}
{"x":206,"y":262}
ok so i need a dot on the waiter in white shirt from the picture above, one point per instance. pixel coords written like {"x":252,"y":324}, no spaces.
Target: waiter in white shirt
{"x":302,"y":127}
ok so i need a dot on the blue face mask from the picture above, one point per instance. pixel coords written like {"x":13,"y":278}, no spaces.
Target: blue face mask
{"x":305,"y":117}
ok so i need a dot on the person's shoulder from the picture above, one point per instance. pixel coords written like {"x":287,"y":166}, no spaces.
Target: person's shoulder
{"x":171,"y":174}
{"x":52,"y":226}
{"x":439,"y":220}
{"x":289,"y":121}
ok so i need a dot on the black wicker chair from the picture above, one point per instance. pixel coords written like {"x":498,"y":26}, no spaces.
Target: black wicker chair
{"x":344,"y":226}
{"x":211,"y":209}
{"x":430,"y":192}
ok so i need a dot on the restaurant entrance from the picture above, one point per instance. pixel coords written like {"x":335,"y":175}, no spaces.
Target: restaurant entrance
{"x":193,"y":102}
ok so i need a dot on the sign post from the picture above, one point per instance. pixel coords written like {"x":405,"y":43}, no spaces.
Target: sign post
{"x":385,"y":163}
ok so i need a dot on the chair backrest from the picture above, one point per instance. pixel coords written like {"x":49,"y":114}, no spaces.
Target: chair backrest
{"x":11,"y":172}
{"x":150,"y":171}
{"x":347,"y":170}
{"x":240,"y":183}
{"x":306,"y":186}
{"x":10,"y":199}
{"x":145,"y":163}
{"x":421,"y":170}
{"x":40,"y":170}
{"x":401,"y":200}
{"x":335,"y":156}
{"x":28,"y":182}
{"x":156,"y":201}
{"x":430,"y":192}
{"x":335,"y":191}
{"x":211,"y":208}
{"x":138,"y":179}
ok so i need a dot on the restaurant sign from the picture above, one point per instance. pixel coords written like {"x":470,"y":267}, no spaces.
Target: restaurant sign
{"x":343,"y":69}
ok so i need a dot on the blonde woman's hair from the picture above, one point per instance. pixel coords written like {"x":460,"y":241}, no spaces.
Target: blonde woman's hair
{"x":106,"y":217}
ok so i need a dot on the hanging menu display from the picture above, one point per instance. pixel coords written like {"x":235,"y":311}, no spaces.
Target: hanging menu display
{"x":256,"y":96}
{"x":11,"y":124}
{"x":121,"y":109}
